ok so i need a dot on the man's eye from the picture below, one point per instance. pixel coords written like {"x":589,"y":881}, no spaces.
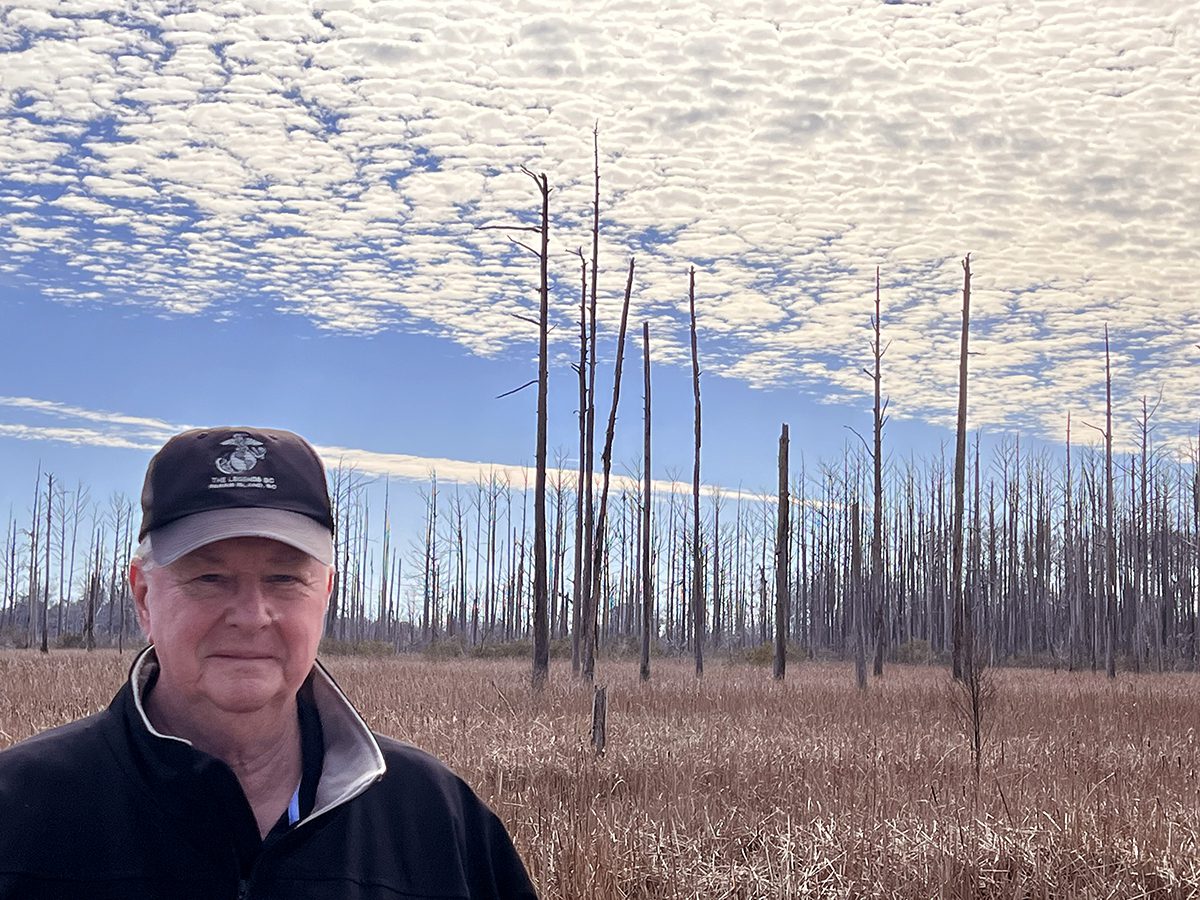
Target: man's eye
{"x":282,"y":579}
{"x":209,"y":578}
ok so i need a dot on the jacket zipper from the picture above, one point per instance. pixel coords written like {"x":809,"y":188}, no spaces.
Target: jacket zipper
{"x":245,"y":883}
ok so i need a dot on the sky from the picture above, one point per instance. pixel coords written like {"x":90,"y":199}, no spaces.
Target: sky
{"x":281,"y":213}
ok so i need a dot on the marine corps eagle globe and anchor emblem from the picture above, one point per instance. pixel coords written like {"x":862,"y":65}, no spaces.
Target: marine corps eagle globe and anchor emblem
{"x":243,"y":457}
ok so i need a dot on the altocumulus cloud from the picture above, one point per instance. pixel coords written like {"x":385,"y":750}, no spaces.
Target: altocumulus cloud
{"x":337,"y":163}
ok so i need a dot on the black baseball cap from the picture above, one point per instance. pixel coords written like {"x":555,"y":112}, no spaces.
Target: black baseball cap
{"x":209,"y":484}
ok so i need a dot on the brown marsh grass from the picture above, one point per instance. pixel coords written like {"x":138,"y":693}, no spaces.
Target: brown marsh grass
{"x":738,"y":787}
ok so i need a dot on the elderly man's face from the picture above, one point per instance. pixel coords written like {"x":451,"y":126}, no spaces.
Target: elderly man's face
{"x":236,"y":623}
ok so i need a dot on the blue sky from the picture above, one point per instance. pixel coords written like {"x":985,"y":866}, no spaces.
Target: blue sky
{"x":267,"y":213}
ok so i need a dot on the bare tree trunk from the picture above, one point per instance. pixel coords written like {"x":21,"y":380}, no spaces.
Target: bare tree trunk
{"x":782,"y":532}
{"x":878,"y":589}
{"x":34,"y":575}
{"x":541,"y":628}
{"x":45,"y":647}
{"x":8,"y":609}
{"x":429,"y":588}
{"x":590,"y":540}
{"x":698,"y":603}
{"x":62,"y":560}
{"x":114,"y":573}
{"x":556,"y":591}
{"x":715,"y":587}
{"x":1144,"y":532}
{"x":89,"y":619}
{"x":123,"y":568}
{"x":590,"y":620}
{"x":384,"y":584}
{"x":857,"y":626}
{"x":1070,"y":586}
{"x":1110,"y":536}
{"x":960,"y":459}
{"x":578,"y":589}
{"x":331,"y":609}
{"x":647,"y":499}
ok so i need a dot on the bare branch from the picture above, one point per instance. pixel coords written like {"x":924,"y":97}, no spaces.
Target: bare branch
{"x":861,"y":438}
{"x":526,"y":246}
{"x":515,"y":390}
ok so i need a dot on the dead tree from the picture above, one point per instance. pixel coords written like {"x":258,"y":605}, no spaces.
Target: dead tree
{"x":45,"y":647}
{"x":878,"y":589}
{"x":590,"y":620}
{"x":782,"y":531}
{"x":854,"y":583}
{"x":381,"y":623}
{"x":715,"y":585}
{"x":95,"y":581}
{"x":698,"y":604}
{"x":34,"y":575}
{"x":647,"y":587}
{"x":960,"y":460}
{"x":429,"y":589}
{"x":541,"y":628}
{"x":8,"y":609}
{"x":1110,"y":535}
{"x":590,"y":541}
{"x":1069,"y":561}
{"x":541,"y":619}
{"x":974,"y":695}
{"x":577,"y":588}
{"x":1144,"y":574}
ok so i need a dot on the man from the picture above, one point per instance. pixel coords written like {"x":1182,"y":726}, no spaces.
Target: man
{"x":231,"y":765}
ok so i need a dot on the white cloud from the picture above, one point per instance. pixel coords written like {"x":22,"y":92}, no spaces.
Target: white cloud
{"x":785,"y":150}
{"x":121,"y":431}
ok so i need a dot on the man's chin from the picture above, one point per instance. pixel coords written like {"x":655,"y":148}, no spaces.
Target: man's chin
{"x":246,"y":689}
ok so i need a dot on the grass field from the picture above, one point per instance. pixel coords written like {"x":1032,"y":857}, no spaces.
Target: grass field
{"x":736,"y":786}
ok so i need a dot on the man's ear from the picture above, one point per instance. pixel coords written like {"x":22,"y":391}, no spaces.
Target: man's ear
{"x":140,"y":587}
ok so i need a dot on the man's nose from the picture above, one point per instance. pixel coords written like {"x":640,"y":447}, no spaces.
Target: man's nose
{"x":250,"y":606}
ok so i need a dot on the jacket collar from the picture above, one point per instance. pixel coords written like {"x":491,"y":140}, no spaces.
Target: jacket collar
{"x":353,"y":760}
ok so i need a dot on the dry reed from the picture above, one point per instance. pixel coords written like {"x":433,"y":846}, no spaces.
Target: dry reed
{"x":740,"y":787}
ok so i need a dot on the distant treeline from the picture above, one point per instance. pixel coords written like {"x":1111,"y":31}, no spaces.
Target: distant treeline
{"x":1034,"y":564}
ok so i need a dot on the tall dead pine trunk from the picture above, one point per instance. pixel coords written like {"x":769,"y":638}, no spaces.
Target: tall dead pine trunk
{"x":591,"y":619}
{"x":647,"y":587}
{"x":34,"y":576}
{"x":878,"y":588}
{"x":960,"y":464}
{"x":541,"y":622}
{"x":577,"y":590}
{"x":1110,"y":535}
{"x":45,"y":647}
{"x":857,"y":625}
{"x":782,"y":560}
{"x":698,"y":604}
{"x":586,"y":600}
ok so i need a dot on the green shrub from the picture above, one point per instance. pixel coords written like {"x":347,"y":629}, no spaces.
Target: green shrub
{"x":335,"y":647}
{"x":446,"y":648}
{"x":916,"y":651}
{"x":762,"y":654}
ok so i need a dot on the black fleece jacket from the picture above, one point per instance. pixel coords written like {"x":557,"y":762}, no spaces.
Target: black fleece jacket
{"x":106,"y":809}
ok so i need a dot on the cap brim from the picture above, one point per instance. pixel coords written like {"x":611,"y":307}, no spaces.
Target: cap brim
{"x":181,"y":537}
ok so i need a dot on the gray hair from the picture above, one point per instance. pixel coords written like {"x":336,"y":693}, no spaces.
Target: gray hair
{"x":141,"y":556}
